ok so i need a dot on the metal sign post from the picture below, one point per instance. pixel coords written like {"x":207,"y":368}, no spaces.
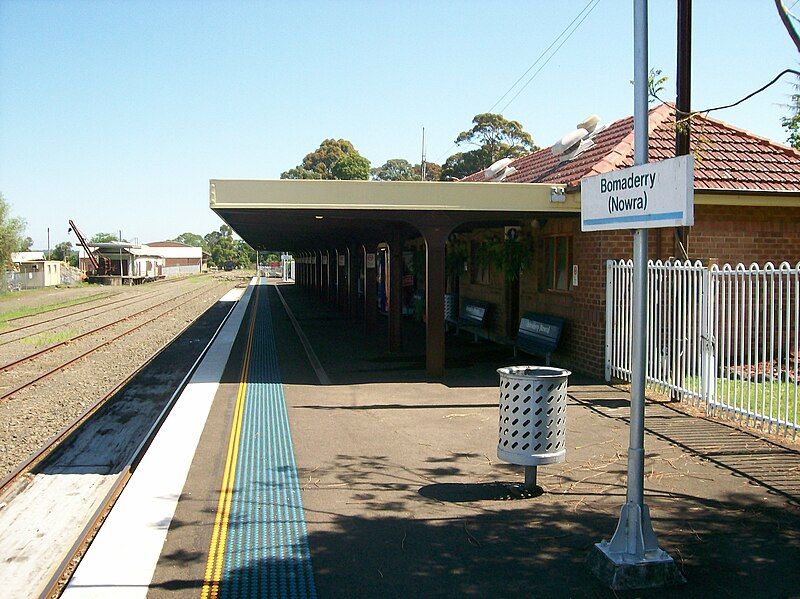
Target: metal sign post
{"x":633,"y":559}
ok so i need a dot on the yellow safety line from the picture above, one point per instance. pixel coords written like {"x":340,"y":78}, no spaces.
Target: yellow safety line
{"x":216,"y":551}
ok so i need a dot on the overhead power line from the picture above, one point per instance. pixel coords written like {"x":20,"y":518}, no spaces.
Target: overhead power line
{"x":549,"y":58}
{"x":569,"y":30}
{"x":542,"y":55}
{"x":684,"y":116}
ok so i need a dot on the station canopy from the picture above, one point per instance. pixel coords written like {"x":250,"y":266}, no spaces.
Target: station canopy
{"x":298,"y":215}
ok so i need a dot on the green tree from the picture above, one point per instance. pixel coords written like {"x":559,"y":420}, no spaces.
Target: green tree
{"x":400,"y":169}
{"x":245,"y":255}
{"x":792,"y":122}
{"x":62,"y":251}
{"x":433,"y":172}
{"x":223,"y":253}
{"x":351,"y":166}
{"x":497,"y":138}
{"x":461,"y":164}
{"x":319,"y":164}
{"x":25,"y":245}
{"x":104,"y":238}
{"x":11,"y":228}
{"x":394,"y":169}
{"x":192,"y":239}
{"x":299,"y":172}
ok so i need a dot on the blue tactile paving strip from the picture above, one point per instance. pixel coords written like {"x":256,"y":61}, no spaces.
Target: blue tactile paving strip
{"x":260,"y":542}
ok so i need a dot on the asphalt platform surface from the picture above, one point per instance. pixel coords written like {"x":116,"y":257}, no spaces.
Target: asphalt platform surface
{"x":404,"y":496}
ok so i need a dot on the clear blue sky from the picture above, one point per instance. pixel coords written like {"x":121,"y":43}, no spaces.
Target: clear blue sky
{"x":116,"y":114}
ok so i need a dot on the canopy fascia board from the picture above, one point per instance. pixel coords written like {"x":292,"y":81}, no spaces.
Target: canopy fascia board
{"x":386,"y":195}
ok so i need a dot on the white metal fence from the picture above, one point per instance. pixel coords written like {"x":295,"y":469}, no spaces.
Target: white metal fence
{"x":726,"y":338}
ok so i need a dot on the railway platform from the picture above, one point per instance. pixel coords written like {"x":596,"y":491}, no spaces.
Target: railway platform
{"x":269,"y":483}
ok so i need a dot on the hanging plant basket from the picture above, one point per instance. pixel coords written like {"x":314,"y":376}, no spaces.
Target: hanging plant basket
{"x":510,"y":256}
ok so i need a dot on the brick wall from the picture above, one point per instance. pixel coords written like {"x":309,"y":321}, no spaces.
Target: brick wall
{"x":724,"y":233}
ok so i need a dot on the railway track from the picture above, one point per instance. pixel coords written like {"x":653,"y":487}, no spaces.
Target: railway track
{"x":50,"y":348}
{"x":123,"y":303}
{"x":61,"y":575}
{"x":86,"y":300}
{"x":61,"y":366}
{"x":81,"y":311}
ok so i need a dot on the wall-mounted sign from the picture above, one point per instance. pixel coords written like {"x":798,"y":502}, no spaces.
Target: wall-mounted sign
{"x":341,"y":259}
{"x":657,"y":194}
{"x":574,"y":275}
{"x":370,"y":260}
{"x":324,"y":259}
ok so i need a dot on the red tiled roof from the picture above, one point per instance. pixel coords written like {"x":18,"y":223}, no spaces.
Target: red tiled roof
{"x":726,"y":158}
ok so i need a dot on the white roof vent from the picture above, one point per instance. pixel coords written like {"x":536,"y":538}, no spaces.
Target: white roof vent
{"x":578,"y":141}
{"x":569,"y":142}
{"x":499,"y":170}
{"x":590,"y":124}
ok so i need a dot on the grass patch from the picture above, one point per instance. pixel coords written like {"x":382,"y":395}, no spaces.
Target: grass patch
{"x":34,"y":310}
{"x":45,"y":339}
{"x":755,"y":397}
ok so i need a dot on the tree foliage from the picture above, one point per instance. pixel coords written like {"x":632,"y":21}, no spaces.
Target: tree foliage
{"x":320,"y":163}
{"x":394,"y":169}
{"x":245,"y":255}
{"x":63,"y":251}
{"x":400,"y":169}
{"x":192,"y":239}
{"x":351,"y":166}
{"x":11,"y":229}
{"x":104,"y":238}
{"x":497,"y":137}
{"x":792,"y":122}
{"x":223,"y":253}
{"x":25,"y":245}
{"x":433,"y":172}
{"x":461,"y":164}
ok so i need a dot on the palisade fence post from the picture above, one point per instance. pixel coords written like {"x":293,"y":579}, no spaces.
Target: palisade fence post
{"x":706,"y":340}
{"x":609,"y":316}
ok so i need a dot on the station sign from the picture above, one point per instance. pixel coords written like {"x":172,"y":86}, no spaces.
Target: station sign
{"x":341,"y":259}
{"x":648,"y":196}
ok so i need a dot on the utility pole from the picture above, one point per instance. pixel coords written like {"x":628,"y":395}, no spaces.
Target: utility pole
{"x":683,"y":108}
{"x":423,"y":167}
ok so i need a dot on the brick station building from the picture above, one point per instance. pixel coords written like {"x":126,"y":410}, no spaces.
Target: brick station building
{"x":747,"y":209}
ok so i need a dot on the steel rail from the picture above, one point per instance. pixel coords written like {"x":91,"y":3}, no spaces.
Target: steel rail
{"x":87,"y":333}
{"x":65,"y":569}
{"x":94,"y":349}
{"x":42,"y":452}
{"x":130,"y":301}
{"x":87,"y":300}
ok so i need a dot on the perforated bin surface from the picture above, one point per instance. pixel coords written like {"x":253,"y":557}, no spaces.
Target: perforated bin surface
{"x":533,"y":415}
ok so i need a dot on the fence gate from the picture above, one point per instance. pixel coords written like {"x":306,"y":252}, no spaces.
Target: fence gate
{"x":725,"y":338}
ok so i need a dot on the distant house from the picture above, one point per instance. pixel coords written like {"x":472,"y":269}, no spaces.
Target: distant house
{"x":18,"y":257}
{"x":180,"y":258}
{"x":33,"y":274}
{"x":136,"y":262}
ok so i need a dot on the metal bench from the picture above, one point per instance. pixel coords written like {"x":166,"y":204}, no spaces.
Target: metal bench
{"x":473,"y":318}
{"x":538,"y":334}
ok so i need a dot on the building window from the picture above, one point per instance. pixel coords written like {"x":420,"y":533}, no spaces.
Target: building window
{"x":479,"y":275}
{"x":558,"y":262}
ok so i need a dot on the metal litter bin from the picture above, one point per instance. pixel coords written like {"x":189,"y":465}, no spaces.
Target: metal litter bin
{"x":533,"y":417}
